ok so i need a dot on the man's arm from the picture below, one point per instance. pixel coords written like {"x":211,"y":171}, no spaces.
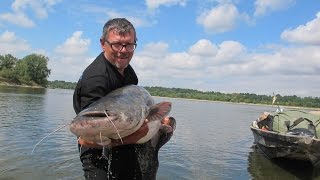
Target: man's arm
{"x":168,"y":125}
{"x":131,"y":139}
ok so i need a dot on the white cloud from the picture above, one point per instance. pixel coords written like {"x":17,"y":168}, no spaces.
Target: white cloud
{"x":40,"y":7}
{"x":183,"y":61}
{"x":68,"y":68}
{"x":74,"y":46}
{"x":140,"y":19}
{"x":262,"y":7}
{"x":286,"y":70}
{"x":230,"y":51}
{"x":19,"y":19}
{"x":221,"y":18}
{"x":203,"y":47}
{"x":154,"y":4}
{"x":283,"y":62}
{"x":11,"y":44}
{"x":158,"y":49}
{"x":304,"y":34}
{"x":20,"y":14}
{"x":70,"y":59}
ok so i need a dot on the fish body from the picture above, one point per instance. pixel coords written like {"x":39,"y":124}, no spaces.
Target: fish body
{"x":119,"y":114}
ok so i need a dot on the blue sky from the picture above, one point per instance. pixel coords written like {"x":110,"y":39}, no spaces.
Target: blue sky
{"x":249,"y":46}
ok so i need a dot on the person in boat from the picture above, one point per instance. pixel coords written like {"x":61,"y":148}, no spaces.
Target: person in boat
{"x":109,"y":71}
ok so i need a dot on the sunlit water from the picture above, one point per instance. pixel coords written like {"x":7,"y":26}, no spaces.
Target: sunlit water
{"x":212,"y":140}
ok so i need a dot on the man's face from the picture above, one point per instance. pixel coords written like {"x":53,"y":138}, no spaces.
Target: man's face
{"x":119,"y":58}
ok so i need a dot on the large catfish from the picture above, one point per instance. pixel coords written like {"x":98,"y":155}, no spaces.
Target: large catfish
{"x":119,"y":114}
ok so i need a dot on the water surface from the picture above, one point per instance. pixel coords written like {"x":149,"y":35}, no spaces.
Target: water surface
{"x":212,"y":140}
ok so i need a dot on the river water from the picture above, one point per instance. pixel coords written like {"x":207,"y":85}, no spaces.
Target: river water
{"x":212,"y":140}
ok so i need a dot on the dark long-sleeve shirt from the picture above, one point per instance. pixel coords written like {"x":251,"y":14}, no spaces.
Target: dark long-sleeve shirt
{"x":97,"y":80}
{"x":134,"y":161}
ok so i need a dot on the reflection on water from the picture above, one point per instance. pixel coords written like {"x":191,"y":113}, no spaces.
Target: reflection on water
{"x":212,"y":140}
{"x":262,"y":168}
{"x":22,"y":90}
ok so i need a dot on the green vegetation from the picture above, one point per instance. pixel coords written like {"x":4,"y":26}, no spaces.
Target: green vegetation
{"x":31,"y":70}
{"x":313,"y":102}
{"x":61,"y":84}
{"x":308,"y":102}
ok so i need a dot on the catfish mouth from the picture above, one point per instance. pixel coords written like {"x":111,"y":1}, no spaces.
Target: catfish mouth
{"x":91,"y":115}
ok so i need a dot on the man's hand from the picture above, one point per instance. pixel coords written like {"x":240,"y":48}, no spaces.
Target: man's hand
{"x":89,"y":144}
{"x":168,"y":124}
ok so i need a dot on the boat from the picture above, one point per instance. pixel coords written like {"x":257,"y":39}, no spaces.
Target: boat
{"x":289,"y":134}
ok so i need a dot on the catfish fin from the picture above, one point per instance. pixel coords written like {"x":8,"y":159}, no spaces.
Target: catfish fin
{"x":158,"y":111}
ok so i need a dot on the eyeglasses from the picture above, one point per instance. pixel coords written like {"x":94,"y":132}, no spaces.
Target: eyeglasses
{"x":118,"y":46}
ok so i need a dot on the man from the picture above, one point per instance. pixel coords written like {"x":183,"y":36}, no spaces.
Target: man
{"x":109,"y":71}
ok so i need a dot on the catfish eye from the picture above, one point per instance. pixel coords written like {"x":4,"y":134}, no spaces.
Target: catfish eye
{"x":149,"y":102}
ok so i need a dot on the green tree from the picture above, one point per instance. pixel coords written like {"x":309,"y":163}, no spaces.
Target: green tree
{"x":7,"y":61}
{"x":22,"y":72}
{"x":7,"y":64}
{"x":37,"y":68}
{"x":33,"y":69}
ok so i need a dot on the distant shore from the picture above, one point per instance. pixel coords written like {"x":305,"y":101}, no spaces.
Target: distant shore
{"x":269,"y":105}
{"x":10,"y":84}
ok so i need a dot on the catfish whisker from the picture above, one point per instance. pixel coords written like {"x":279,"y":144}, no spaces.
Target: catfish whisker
{"x":59,"y":128}
{"x":113,"y":126}
{"x":80,"y":149}
{"x":100,"y":137}
{"x":103,"y":148}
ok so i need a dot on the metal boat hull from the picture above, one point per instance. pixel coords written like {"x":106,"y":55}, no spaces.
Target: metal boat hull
{"x":277,"y":145}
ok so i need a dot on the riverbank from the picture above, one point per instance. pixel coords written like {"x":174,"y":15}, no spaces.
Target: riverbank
{"x":4,"y":82}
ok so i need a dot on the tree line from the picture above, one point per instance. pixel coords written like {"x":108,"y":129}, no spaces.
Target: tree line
{"x":31,"y":70}
{"x":217,"y":96}
{"x":61,"y":84}
{"x":250,"y":98}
